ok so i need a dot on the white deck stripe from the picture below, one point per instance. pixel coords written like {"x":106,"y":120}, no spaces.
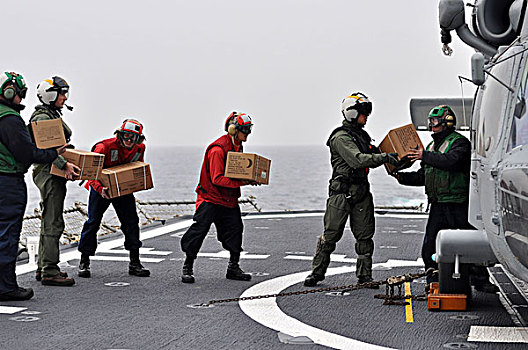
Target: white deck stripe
{"x":333,"y":258}
{"x":267,"y":312}
{"x":492,"y":334}
{"x":226,"y":255}
{"x":110,"y":244}
{"x":11,"y":309}
{"x":123,"y":258}
{"x":142,"y":251}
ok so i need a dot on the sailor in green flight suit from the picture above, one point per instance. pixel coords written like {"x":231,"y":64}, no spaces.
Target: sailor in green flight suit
{"x":351,"y":156}
{"x":53,"y":93}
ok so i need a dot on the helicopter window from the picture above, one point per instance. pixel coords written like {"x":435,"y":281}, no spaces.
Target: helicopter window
{"x":494,"y":97}
{"x":519,"y":127}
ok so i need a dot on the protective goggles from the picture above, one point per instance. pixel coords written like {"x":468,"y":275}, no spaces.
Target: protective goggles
{"x":245,"y":129}
{"x":21,"y":92}
{"x":129,"y":137}
{"x":435,"y":121}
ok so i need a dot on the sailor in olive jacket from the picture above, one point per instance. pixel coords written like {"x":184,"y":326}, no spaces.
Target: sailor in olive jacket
{"x":351,"y":156}
{"x":53,"y":93}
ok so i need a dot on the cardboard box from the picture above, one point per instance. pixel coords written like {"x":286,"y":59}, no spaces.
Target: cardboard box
{"x":400,"y":140}
{"x":126,"y":178}
{"x":48,"y":133}
{"x":248,"y":166}
{"x":91,"y":164}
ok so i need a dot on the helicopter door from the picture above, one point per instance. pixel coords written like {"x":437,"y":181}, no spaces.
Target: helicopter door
{"x":513,"y":178}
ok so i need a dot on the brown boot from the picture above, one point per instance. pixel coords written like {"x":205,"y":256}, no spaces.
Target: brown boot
{"x":58,"y":280}
{"x":38,"y":275}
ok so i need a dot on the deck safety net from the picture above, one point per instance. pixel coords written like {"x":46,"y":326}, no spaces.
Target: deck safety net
{"x":148,"y":212}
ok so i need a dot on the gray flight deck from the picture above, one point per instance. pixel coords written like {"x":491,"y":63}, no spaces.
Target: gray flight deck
{"x":113,"y":310}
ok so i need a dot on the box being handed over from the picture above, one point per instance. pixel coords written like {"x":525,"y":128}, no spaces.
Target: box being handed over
{"x":247,"y":166}
{"x":48,"y":133}
{"x":91,"y":164}
{"x":126,"y":178}
{"x":400,"y":140}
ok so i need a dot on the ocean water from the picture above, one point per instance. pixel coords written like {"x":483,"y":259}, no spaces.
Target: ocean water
{"x":298,"y":179}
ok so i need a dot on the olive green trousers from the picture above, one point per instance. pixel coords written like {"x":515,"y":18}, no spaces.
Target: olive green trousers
{"x":338,"y":211}
{"x":52,"y":194}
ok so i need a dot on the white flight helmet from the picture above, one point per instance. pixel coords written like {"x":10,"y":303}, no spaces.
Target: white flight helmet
{"x":49,"y":89}
{"x":354,"y":105}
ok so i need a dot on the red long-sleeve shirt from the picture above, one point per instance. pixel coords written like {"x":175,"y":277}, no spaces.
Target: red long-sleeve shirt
{"x":115,"y":154}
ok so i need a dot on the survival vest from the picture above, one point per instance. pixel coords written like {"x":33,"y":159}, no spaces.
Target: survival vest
{"x":445,"y":186}
{"x":51,"y":114}
{"x":8,"y":164}
{"x":362,"y":140}
{"x":206,"y":188}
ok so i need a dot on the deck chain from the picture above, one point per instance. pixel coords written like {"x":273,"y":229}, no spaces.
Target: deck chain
{"x":390,"y":282}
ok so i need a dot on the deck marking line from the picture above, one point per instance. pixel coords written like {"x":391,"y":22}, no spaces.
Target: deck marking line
{"x":267,"y":312}
{"x":123,"y":258}
{"x":11,"y":309}
{"x":408,"y":308}
{"x":110,"y":244}
{"x":225,"y":254}
{"x":333,"y":258}
{"x":498,"y":334}
{"x":147,"y":251}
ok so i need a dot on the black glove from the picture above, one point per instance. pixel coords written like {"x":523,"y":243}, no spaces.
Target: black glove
{"x":392,"y":159}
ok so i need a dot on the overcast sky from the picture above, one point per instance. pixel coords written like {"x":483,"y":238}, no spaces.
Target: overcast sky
{"x":181,"y":66}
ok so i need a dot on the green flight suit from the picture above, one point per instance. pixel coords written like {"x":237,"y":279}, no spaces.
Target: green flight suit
{"x":351,"y":157}
{"x":52,"y":193}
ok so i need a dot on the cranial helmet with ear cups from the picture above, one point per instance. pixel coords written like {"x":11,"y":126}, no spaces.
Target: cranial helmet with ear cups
{"x":442,"y":115}
{"x":131,"y":127}
{"x":238,"y":122}
{"x":354,"y":105}
{"x":48,"y":90}
{"x":12,"y":84}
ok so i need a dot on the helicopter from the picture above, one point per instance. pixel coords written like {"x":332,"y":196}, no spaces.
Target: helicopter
{"x":497,"y":122}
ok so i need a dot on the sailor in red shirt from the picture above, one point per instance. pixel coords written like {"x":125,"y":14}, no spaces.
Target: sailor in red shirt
{"x":217,"y":201}
{"x":126,"y":147}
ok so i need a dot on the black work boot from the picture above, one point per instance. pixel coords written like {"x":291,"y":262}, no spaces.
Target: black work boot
{"x":187,"y":271}
{"x":234,"y":272}
{"x":311,"y":280}
{"x":17,"y":294}
{"x":135,"y":268}
{"x":84,"y":266}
